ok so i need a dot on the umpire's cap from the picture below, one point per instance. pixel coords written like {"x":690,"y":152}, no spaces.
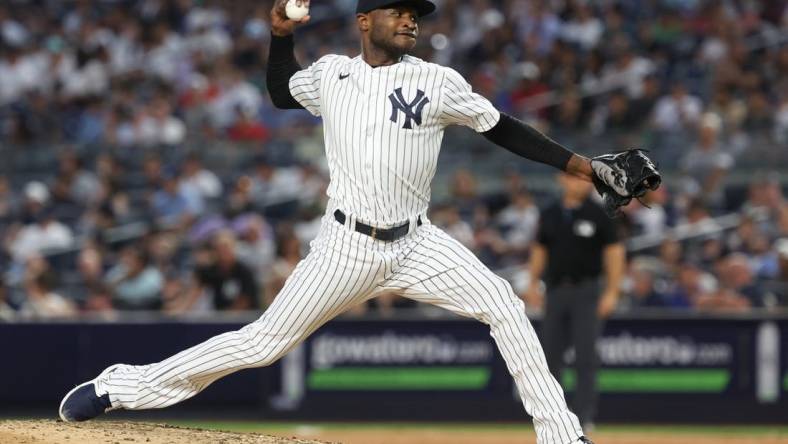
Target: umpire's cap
{"x":423,"y":7}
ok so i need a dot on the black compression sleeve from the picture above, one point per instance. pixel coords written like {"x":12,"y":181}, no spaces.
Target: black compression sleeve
{"x":526,"y":141}
{"x":281,"y":67}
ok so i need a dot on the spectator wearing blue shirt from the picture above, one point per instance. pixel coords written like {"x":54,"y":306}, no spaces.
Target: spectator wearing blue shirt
{"x":173,"y":205}
{"x":135,"y":284}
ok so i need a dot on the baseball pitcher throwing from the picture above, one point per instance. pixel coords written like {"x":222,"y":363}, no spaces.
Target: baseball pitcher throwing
{"x":384,"y":113}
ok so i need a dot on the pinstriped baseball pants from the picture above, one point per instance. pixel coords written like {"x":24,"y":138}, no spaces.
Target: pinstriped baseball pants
{"x":345,"y":268}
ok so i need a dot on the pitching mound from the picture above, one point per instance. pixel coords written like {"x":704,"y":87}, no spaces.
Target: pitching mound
{"x":95,"y":432}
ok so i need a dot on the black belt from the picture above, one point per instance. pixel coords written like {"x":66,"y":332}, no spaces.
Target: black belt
{"x":384,"y":234}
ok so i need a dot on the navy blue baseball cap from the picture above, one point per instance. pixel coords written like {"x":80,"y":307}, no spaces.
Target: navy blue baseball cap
{"x":423,"y":7}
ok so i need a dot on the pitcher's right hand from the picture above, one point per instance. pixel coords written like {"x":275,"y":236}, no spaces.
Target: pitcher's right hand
{"x":281,"y":25}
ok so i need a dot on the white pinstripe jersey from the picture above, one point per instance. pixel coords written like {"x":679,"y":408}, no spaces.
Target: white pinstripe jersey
{"x":383,"y":129}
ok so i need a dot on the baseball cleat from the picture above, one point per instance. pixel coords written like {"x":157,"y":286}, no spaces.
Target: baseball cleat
{"x":83,"y":403}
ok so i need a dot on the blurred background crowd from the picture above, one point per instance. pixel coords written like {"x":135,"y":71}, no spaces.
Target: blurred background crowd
{"x":144,"y":167}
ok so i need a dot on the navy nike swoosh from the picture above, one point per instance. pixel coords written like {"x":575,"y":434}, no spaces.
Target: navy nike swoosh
{"x":343,"y":76}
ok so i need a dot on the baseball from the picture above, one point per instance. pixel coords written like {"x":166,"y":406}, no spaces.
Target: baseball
{"x":296,"y":10}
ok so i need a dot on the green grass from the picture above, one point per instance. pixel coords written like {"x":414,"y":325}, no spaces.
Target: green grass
{"x":656,"y":380}
{"x":400,"y":378}
{"x":246,"y":426}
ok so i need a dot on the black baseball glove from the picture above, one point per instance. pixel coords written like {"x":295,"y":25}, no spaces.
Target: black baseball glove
{"x":620,"y":177}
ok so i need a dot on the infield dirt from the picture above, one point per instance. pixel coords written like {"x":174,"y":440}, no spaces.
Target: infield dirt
{"x":116,"y":432}
{"x":58,"y":432}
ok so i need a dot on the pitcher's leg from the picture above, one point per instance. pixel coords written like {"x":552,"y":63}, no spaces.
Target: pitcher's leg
{"x":442,"y":272}
{"x":327,"y":282}
{"x":137,"y":387}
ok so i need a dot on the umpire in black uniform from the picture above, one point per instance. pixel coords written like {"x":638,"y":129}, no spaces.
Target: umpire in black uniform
{"x":577,"y":243}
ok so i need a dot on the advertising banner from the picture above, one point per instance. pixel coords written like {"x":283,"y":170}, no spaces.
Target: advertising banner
{"x":449,"y":357}
{"x":652,"y":370}
{"x":647,"y":357}
{"x":662,"y":368}
{"x":636,"y":357}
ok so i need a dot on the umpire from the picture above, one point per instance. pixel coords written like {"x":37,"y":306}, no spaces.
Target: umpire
{"x":575,"y":244}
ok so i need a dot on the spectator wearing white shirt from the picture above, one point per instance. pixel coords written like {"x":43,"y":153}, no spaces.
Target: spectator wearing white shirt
{"x":200,"y":179}
{"x":650,"y":220}
{"x":165,"y":53}
{"x":714,"y":47}
{"x":125,"y":52}
{"x":520,"y":221}
{"x":706,"y":164}
{"x":256,"y":246}
{"x":11,"y":77}
{"x":584,"y":29}
{"x":158,"y":125}
{"x":627,"y":71}
{"x":42,"y":301}
{"x":44,"y":233}
{"x":474,"y":21}
{"x":678,"y":110}
{"x":237,"y":94}
{"x":84,"y":186}
{"x":207,"y":35}
{"x":85,"y":74}
{"x":272,"y":186}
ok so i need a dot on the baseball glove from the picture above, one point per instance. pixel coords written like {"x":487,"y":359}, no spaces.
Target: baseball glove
{"x":620,"y":177}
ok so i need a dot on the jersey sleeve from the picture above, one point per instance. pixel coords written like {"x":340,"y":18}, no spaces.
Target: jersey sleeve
{"x":305,"y":85}
{"x":462,"y":106}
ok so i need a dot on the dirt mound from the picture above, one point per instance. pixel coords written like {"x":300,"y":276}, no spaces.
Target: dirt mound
{"x":58,"y":432}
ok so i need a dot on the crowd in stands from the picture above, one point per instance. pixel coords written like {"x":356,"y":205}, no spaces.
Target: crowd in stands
{"x":131,"y":217}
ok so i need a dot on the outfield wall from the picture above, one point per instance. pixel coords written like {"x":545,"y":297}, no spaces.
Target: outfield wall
{"x":727,"y":370}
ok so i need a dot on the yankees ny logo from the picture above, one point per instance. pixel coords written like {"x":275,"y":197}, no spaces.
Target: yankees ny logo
{"x":399,"y":104}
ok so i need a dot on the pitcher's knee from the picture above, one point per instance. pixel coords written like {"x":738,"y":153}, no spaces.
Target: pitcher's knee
{"x":266,"y":345}
{"x":511,"y":313}
{"x":502,"y":300}
{"x":504,"y":296}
